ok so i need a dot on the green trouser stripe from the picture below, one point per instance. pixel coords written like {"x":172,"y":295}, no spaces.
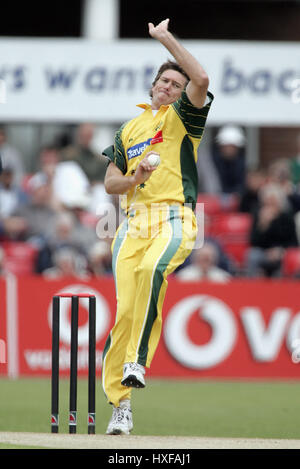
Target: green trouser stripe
{"x":106,"y":347}
{"x":158,"y":278}
{"x":118,"y":242}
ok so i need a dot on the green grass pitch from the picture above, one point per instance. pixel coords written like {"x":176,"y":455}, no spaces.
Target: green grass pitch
{"x":241,"y":409}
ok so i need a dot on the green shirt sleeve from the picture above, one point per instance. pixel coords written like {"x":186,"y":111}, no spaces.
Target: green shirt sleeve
{"x":193,"y":118}
{"x":116,"y":153}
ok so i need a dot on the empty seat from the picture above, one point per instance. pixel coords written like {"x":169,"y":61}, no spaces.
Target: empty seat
{"x":19,"y":257}
{"x":232,"y":231}
{"x":212,"y":203}
{"x":291,"y":262}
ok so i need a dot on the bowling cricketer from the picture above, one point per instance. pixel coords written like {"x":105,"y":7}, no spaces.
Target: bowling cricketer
{"x":159,"y":232}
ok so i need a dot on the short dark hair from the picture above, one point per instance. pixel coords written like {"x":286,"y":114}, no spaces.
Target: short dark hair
{"x":169,"y":65}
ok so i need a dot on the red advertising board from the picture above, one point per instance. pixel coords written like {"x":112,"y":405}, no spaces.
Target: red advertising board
{"x":3,"y":329}
{"x":241,"y":329}
{"x":35,"y":309}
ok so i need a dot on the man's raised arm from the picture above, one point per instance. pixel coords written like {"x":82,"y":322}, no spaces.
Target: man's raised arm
{"x":198,"y":84}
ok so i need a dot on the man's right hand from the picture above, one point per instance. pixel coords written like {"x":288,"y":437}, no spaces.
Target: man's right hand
{"x":160,"y":31}
{"x":143,"y":171}
{"x":116,"y":182}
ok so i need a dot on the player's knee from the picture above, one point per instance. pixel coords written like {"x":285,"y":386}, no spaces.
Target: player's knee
{"x":150,"y":269}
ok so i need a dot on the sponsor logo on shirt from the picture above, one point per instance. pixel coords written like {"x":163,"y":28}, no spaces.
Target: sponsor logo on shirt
{"x":139,"y":148}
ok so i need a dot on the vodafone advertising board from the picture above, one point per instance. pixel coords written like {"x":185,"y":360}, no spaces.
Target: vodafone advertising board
{"x":243,"y":329}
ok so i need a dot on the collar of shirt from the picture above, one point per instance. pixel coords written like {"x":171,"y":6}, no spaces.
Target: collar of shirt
{"x":148,"y":106}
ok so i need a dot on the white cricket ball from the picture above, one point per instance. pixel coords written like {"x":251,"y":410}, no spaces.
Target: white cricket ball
{"x":153,"y":159}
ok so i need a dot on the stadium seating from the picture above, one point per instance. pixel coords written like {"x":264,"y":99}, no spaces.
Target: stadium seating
{"x":212,"y":203}
{"x":215,"y":204}
{"x":19,"y":257}
{"x":291,"y":262}
{"x":232,"y":230}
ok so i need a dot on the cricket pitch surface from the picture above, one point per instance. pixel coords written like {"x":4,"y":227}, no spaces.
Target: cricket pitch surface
{"x":98,"y":441}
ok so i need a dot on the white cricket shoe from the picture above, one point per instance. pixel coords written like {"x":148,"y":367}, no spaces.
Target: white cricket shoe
{"x":121,"y":421}
{"x":133,"y":375}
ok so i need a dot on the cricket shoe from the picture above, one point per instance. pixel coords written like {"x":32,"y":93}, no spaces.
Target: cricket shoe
{"x":133,"y":375}
{"x":121,"y":421}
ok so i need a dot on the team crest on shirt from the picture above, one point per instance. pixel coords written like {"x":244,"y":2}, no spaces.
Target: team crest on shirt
{"x":139,"y":148}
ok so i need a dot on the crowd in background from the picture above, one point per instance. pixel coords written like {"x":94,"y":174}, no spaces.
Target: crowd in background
{"x":54,"y":212}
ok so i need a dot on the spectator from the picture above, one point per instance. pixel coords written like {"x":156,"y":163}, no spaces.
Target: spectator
{"x":249,"y":199}
{"x":78,"y":186}
{"x":11,"y":196}
{"x":64,"y":226}
{"x":273,"y":231}
{"x":295,"y":164}
{"x":38,"y":216}
{"x":48,"y":159}
{"x":57,"y":173}
{"x":93,"y":165}
{"x":12,"y":228}
{"x":69,"y":232}
{"x":100,"y":259}
{"x":208,"y":178}
{"x":11,"y":157}
{"x":83,"y":235}
{"x":60,"y":237}
{"x":67,"y":263}
{"x":279,"y":173}
{"x":228,"y":155}
{"x":204,"y":266}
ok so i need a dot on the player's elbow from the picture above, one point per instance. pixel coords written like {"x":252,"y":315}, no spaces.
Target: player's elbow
{"x":109,"y":189}
{"x":202,"y":80}
{"x":108,"y":186}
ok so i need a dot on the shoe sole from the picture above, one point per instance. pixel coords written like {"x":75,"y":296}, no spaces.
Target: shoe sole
{"x":117,"y":432}
{"x":132,"y":382}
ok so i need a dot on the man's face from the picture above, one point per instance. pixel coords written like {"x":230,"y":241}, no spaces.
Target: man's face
{"x":168,"y":88}
{"x":229,"y":151}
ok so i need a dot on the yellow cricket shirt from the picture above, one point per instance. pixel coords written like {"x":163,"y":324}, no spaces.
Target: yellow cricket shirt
{"x":174,"y":132}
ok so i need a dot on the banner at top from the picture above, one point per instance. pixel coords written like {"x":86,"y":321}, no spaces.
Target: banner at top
{"x":254,"y":83}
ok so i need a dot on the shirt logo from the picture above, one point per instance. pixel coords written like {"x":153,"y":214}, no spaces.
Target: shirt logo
{"x":139,"y":148}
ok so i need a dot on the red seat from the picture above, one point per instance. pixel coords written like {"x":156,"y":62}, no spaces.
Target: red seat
{"x":215,"y":204}
{"x":237,"y":251}
{"x":232,"y":231}
{"x":19,"y":257}
{"x":212,"y":203}
{"x":291,"y":262}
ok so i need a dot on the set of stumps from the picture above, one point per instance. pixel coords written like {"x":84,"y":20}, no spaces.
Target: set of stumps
{"x":91,"y":420}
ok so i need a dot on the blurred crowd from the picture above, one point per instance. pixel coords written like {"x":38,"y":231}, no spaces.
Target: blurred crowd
{"x":48,"y":219}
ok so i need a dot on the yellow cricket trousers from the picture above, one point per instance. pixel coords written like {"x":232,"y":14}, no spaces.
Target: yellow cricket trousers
{"x":143,"y":255}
